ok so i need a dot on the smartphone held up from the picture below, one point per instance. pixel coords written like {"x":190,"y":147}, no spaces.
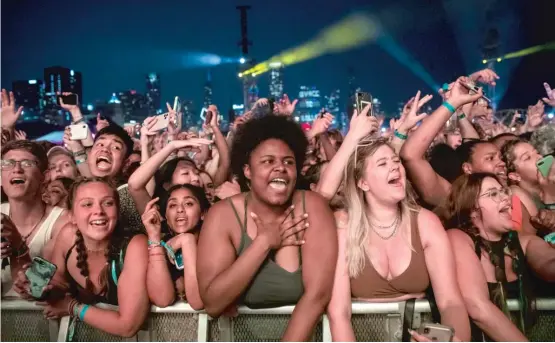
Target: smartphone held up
{"x":70,"y":99}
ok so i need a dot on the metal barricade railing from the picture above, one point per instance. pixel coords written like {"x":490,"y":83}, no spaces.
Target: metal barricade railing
{"x":23,"y":321}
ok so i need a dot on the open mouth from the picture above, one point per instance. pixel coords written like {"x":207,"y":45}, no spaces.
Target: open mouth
{"x":98,"y":222}
{"x":279,"y":184}
{"x":181,"y":220}
{"x":103,"y":162}
{"x":506,"y":210}
{"x":396,"y":181}
{"x":17,"y":181}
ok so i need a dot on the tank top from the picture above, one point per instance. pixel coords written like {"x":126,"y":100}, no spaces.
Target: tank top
{"x":415,"y":279}
{"x":272,"y":285}
{"x":42,"y":235}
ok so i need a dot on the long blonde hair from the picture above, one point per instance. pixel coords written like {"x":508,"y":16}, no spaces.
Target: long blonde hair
{"x":358,"y":226}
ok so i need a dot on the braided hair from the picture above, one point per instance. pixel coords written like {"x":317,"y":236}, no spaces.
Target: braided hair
{"x":116,"y":240}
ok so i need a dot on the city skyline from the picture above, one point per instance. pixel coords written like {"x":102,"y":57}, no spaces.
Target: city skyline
{"x":115,"y":45}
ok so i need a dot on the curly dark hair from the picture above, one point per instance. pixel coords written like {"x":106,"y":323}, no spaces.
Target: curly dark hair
{"x":258,"y":130}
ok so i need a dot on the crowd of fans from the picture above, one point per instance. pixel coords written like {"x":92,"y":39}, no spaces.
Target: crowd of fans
{"x":451,"y":206}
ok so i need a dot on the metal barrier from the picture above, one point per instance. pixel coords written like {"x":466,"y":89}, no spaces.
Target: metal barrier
{"x":23,"y":321}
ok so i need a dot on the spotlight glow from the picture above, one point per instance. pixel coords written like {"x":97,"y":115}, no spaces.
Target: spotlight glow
{"x":484,"y":61}
{"x":550,"y":115}
{"x":351,"y":32}
{"x":240,"y":74}
{"x":242,"y":60}
{"x":499,"y":59}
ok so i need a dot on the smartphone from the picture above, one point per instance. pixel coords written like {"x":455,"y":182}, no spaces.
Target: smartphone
{"x":71,"y":99}
{"x":363,"y":99}
{"x":177,"y":109}
{"x":474,"y":89}
{"x":550,"y":238}
{"x":162,"y":122}
{"x":437,"y":332}
{"x":544,"y":165}
{"x":78,"y":132}
{"x":208,"y":117}
{"x":179,"y":260}
{"x":39,"y":274}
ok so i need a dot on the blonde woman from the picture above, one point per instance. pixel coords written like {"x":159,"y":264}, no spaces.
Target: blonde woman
{"x":389,"y":248}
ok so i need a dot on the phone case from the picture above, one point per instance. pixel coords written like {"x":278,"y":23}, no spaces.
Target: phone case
{"x":179,"y":260}
{"x":39,"y":274}
{"x":544,"y":165}
{"x":78,"y":132}
{"x":362,"y":100}
{"x":161,"y":122}
{"x":437,"y":332}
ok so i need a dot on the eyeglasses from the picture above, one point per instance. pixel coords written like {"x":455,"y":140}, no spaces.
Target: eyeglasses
{"x":497,"y":194}
{"x":25,"y":164}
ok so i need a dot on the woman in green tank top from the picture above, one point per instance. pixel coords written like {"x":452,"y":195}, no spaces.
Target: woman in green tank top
{"x":273,"y":245}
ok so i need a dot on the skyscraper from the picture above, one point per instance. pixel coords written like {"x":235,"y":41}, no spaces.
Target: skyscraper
{"x":134,"y":105}
{"x":276,"y":80}
{"x":309,"y":105}
{"x":208,"y":90}
{"x":30,"y":95}
{"x":58,"y":80}
{"x":153,"y":93}
{"x":188,"y":119}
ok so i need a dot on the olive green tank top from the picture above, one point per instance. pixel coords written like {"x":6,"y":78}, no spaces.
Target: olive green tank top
{"x":272,"y":286}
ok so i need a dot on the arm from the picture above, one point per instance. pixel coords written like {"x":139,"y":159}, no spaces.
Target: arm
{"x":467,"y":130}
{"x":225,"y":159}
{"x":541,"y":257}
{"x":439,"y":258}
{"x":189,"y":250}
{"x":319,"y":256}
{"x":132,"y":295}
{"x":222,"y":276}
{"x":329,"y":149}
{"x":339,"y":308}
{"x":474,"y":290}
{"x":140,"y":178}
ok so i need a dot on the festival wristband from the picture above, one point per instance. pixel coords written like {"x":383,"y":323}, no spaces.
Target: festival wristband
{"x":83,"y":311}
{"x":462,"y":116}
{"x":449,"y":106}
{"x":400,"y":135}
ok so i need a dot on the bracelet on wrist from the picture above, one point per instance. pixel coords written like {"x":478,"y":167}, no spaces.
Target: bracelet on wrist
{"x":462,"y":116}
{"x":450,"y":107}
{"x":79,"y":153}
{"x":82,"y":312}
{"x":400,"y":135}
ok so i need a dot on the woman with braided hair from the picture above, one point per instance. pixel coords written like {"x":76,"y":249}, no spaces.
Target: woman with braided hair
{"x":493,"y":261}
{"x":96,"y":263}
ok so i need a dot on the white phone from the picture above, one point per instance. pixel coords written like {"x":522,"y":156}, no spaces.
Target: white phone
{"x":437,"y":332}
{"x":78,"y":132}
{"x":162,"y":122}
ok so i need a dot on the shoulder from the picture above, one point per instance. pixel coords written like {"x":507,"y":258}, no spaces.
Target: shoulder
{"x":137,"y":247}
{"x":430,"y":228}
{"x":459,"y":237}
{"x":66,"y":236}
{"x":312,"y":199}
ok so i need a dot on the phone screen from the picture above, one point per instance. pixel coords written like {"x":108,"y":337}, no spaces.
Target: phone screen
{"x":208,"y":119}
{"x":68,"y":99}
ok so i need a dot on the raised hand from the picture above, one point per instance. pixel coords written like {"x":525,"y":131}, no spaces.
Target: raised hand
{"x":73,"y":146}
{"x":459,"y":95}
{"x":410,"y":116}
{"x":535,"y":116}
{"x":172,"y":123}
{"x":283,"y":231}
{"x":486,"y":76}
{"x":191,"y":142}
{"x":285,"y":107}
{"x":227,"y":190}
{"x":362,"y":125}
{"x":68,"y":107}
{"x":9,"y":114}
{"x":321,"y":124}
{"x":20,"y":135}
{"x":152,"y":220}
{"x":101,"y":123}
{"x":550,"y":100}
{"x":146,"y":128}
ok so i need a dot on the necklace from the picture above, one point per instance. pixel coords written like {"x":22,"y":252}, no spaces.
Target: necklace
{"x":96,"y":250}
{"x":395,"y":226}
{"x":26,"y":237}
{"x":384,"y":227}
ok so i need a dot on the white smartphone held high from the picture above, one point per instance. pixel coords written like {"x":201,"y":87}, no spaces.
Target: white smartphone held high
{"x":78,"y":132}
{"x":162,"y":122}
{"x":437,"y":332}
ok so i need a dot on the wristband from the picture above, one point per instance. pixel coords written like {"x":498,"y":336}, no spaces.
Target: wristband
{"x":445,"y":87}
{"x":83,"y":311}
{"x":79,"y":153}
{"x":449,"y":106}
{"x":400,"y":135}
{"x":462,"y":116}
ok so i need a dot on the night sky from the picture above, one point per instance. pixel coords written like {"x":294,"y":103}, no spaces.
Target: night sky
{"x":115,"y":43}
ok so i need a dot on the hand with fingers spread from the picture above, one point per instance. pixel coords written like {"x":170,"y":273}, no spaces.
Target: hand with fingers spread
{"x":282,"y":232}
{"x":535,"y":116}
{"x":152,"y":220}
{"x":362,"y":125}
{"x":410,"y":116}
{"x":485,"y":76}
{"x":284,"y":106}
{"x":20,"y":135}
{"x":73,"y":146}
{"x":550,"y":100}
{"x":9,"y":113}
{"x":172,"y":123}
{"x":101,"y":123}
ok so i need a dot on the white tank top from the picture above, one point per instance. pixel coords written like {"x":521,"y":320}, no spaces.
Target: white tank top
{"x":37,"y":243}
